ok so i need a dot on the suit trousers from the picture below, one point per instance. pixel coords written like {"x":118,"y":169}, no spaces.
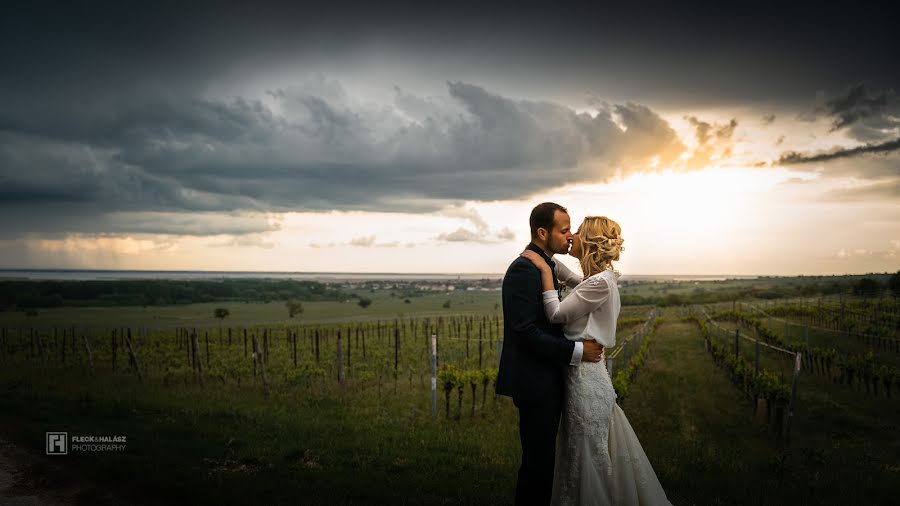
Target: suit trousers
{"x":538,"y":425}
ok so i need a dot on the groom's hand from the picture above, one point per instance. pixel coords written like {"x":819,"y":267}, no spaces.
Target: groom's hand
{"x":593,"y":352}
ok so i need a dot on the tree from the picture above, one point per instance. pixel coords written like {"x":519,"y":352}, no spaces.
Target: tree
{"x":294,"y":307}
{"x":894,"y":284}
{"x":364,"y":302}
{"x":221,"y":313}
{"x":447,"y":304}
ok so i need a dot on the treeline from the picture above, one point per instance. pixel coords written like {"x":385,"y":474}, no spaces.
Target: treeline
{"x":865,"y":287}
{"x":44,"y":294}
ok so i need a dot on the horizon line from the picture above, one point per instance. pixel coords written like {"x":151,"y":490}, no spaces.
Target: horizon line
{"x":345,"y":273}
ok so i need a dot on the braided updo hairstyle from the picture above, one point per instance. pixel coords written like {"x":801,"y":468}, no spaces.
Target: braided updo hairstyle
{"x":601,"y":243}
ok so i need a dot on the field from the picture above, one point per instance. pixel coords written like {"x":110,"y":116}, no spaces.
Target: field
{"x":346,"y":417}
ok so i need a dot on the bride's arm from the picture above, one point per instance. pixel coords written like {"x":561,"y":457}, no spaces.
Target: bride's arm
{"x":587,"y":298}
{"x":546,"y":272}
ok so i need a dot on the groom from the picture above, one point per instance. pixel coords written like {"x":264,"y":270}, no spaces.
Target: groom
{"x":535,"y":352}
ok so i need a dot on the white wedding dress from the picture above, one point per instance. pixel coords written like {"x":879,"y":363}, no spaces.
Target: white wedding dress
{"x":599,"y":460}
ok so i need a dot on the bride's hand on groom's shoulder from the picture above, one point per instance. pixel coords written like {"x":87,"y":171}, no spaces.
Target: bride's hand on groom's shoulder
{"x":535,"y":259}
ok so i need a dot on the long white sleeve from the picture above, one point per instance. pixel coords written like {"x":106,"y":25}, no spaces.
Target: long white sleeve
{"x":566,"y":275}
{"x":586,"y":298}
{"x":577,"y":353}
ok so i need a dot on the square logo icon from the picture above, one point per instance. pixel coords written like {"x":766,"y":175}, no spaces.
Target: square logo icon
{"x":57,"y":443}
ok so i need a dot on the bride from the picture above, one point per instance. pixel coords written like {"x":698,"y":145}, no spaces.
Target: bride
{"x":599,"y":460}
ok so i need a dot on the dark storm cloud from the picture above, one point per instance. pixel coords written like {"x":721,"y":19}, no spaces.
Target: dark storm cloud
{"x":871,"y":117}
{"x":728,"y":52}
{"x":59,"y":219}
{"x":105,"y":107}
{"x":866,"y":115}
{"x":795,"y":158}
{"x":322,"y":152}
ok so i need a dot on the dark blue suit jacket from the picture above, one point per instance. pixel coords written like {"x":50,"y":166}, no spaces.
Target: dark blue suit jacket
{"x":534,"y":350}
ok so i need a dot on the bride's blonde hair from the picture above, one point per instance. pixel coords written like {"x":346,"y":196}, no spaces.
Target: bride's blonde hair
{"x":601,"y":243}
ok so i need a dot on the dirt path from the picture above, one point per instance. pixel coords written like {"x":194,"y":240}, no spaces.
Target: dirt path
{"x":701,"y":437}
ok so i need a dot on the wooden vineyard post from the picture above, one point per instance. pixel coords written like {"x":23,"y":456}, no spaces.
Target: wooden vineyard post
{"x":185,"y":342}
{"x":115,"y":346}
{"x":480,"y":343}
{"x":840,"y":321}
{"x":40,"y":344}
{"x":340,"y":358}
{"x":317,"y":346}
{"x":294,"y":346}
{"x":737,"y":347}
{"x":133,"y":356}
{"x":756,"y":366}
{"x":396,"y":356}
{"x":349,"y":351}
{"x":262,"y":365}
{"x":396,"y":351}
{"x":245,"y":343}
{"x":206,"y":338}
{"x":793,"y":402}
{"x":467,"y":344}
{"x":254,"y":356}
{"x":197,"y":363}
{"x":87,"y":349}
{"x":433,"y":376}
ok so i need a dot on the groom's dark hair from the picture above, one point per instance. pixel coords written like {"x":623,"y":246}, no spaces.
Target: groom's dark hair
{"x":542,"y":216}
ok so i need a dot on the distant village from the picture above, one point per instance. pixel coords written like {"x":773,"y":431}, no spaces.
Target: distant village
{"x":422,"y":285}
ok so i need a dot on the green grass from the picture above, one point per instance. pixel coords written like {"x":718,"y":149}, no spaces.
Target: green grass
{"x":700,"y":435}
{"x":695,"y":426}
{"x":233,"y":446}
{"x":201,"y":315}
{"x":312,"y":442}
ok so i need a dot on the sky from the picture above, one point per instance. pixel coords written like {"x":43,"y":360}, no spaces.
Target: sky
{"x":748,"y":139}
